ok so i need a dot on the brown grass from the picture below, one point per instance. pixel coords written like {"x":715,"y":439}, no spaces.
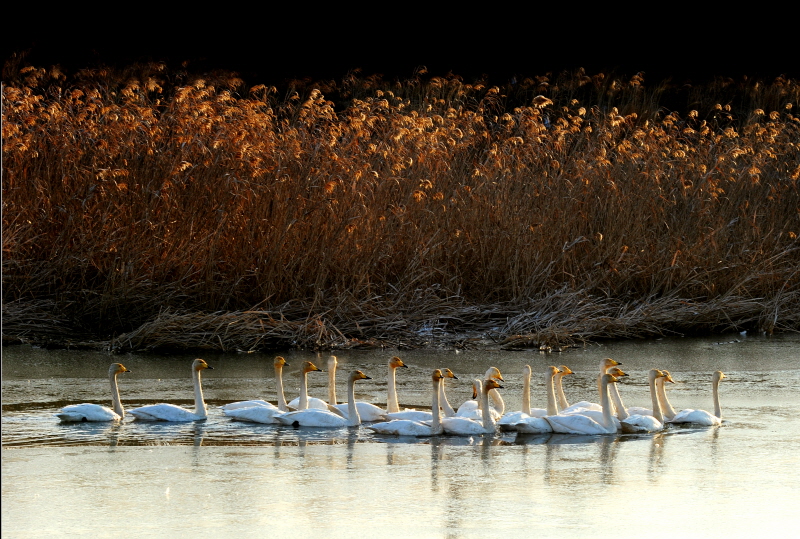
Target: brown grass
{"x":155,"y":209}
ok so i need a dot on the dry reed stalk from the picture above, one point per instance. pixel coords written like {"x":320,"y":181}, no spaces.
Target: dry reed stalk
{"x":567,"y":208}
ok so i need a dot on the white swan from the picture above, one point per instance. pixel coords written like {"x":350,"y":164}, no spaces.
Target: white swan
{"x":644,"y":423}
{"x":425,"y":416}
{"x":444,"y":404}
{"x":366,"y":410}
{"x":259,"y":413}
{"x":171,"y":412}
{"x":96,"y":412}
{"x":278,"y":364}
{"x":666,"y":407}
{"x":563,"y":371}
{"x":462,"y":426}
{"x":392,"y":404}
{"x":407,"y":427}
{"x":303,"y":401}
{"x":605,"y":365}
{"x":314,"y":417}
{"x":582,"y":424}
{"x":472,"y":409}
{"x":528,"y":419}
{"x":701,"y":417}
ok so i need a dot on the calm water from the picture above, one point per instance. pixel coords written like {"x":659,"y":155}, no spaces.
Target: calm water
{"x":232,"y":479}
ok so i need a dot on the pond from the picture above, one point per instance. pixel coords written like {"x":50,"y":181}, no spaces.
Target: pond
{"x":234,"y":479}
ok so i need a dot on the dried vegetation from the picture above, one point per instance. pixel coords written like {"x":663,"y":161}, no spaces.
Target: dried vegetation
{"x":148,"y":208}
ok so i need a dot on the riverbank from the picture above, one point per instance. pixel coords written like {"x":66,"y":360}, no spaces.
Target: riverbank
{"x":146,"y":209}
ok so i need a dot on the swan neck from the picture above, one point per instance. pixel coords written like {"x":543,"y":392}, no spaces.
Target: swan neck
{"x":488,"y":420}
{"x":526,"y":393}
{"x":562,"y":398}
{"x":666,"y":407}
{"x":332,"y":386}
{"x":442,"y":400}
{"x":608,"y":422}
{"x":654,"y":399}
{"x":715,"y":391}
{"x":353,"y":419}
{"x":303,"y":404}
{"x":392,"y":406}
{"x":622,"y":413}
{"x":116,"y":403}
{"x":497,"y":399}
{"x":282,"y":406}
{"x":199,"y":403}
{"x":436,"y":426}
{"x":552,"y":409}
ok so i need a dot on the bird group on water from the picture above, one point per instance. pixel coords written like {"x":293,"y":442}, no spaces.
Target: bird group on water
{"x":485,"y":413}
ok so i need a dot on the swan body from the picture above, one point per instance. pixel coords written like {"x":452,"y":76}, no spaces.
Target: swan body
{"x":644,"y":423}
{"x":406,"y":427}
{"x":536,"y":422}
{"x":96,"y":412}
{"x":171,"y":412}
{"x":303,"y":401}
{"x":278,"y":364}
{"x":461,"y":426}
{"x":315,"y":417}
{"x":367,"y":411}
{"x":510,"y":420}
{"x":701,"y":417}
{"x":583,"y":424}
{"x":424,"y":415}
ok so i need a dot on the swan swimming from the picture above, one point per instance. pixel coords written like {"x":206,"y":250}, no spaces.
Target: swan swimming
{"x":171,"y":412}
{"x":462,"y":426}
{"x":259,"y":413}
{"x":472,"y":409}
{"x":701,"y":417}
{"x":644,"y":423}
{"x":366,"y":410}
{"x":278,"y":364}
{"x":407,"y":427}
{"x":581,"y":424}
{"x":303,"y":401}
{"x":534,"y":421}
{"x":96,"y":412}
{"x":314,"y":417}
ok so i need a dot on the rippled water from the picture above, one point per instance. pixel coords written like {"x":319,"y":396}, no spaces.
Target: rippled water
{"x":235,"y":479}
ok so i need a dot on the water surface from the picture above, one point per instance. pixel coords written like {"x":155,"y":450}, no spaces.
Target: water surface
{"x":232,"y":479}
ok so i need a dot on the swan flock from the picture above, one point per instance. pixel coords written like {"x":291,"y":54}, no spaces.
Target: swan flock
{"x":484,"y":413}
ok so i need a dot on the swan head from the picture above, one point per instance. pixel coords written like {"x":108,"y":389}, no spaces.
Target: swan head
{"x":280,"y":362}
{"x":564,"y":370}
{"x":358,"y":375}
{"x":719,"y":375}
{"x":332,"y":363}
{"x":655,"y":374}
{"x":490,"y":384}
{"x":609,"y":379}
{"x":493,"y":373}
{"x":668,"y":377}
{"x":437,"y":375}
{"x":396,"y":362}
{"x":447,"y":373}
{"x":117,"y":368}
{"x":553,"y":370}
{"x":310,"y":367}
{"x":616,"y":371}
{"x":199,"y":365}
{"x":526,"y":370}
{"x":476,"y":388}
{"x":607,"y":363}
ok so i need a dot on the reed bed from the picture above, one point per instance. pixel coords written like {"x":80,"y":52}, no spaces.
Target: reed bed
{"x":146,"y":208}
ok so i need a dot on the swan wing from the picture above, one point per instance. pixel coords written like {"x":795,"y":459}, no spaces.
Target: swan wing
{"x":412,"y":415}
{"x":698,"y":417}
{"x":312,"y":417}
{"x":402,"y":427}
{"x":510,"y":419}
{"x":366,"y":411}
{"x":163,"y":412}
{"x":533,"y":425}
{"x":575,"y":424}
{"x":313,"y":403}
{"x":254,"y":414}
{"x":247,"y":404}
{"x":638,"y":423}
{"x":87,"y":412}
{"x":461,"y":426}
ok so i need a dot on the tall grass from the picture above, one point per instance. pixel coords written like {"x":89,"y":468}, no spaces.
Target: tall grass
{"x":163,"y":209}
